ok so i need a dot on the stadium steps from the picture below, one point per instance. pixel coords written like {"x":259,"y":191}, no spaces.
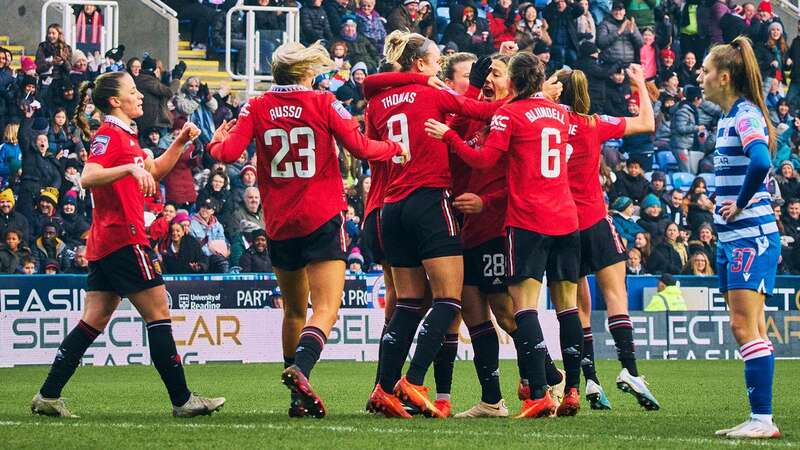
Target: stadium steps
{"x":209,"y":71}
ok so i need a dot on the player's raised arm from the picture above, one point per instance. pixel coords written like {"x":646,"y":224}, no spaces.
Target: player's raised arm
{"x":232,"y":138}
{"x":645,"y":122}
{"x":345,"y":130}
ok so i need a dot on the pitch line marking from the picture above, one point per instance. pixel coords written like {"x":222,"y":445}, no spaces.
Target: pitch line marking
{"x":394,"y":430}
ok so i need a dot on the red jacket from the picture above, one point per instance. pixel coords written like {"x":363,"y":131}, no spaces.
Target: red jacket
{"x":501,"y":32}
{"x":179,"y":183}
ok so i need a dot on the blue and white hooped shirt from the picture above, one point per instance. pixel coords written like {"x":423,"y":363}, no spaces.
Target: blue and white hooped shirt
{"x":737,"y":131}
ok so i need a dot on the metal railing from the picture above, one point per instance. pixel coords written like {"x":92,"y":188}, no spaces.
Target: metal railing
{"x":109,"y":31}
{"x":171,"y":15}
{"x":252,"y":41}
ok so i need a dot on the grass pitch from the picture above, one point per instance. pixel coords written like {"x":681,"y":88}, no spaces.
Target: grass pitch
{"x":127,"y":407}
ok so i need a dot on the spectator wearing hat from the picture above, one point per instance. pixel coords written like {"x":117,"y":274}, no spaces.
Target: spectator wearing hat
{"x":596,"y":72}
{"x":370,"y":24}
{"x":667,"y":65}
{"x":668,"y":297}
{"x":10,"y":219}
{"x":404,"y":17}
{"x":617,"y":94}
{"x":12,"y":251}
{"x":759,"y":25}
{"x":351,"y":94}
{"x":652,"y":217}
{"x":618,"y":37}
{"x":48,"y":246}
{"x":670,"y":255}
{"x":359,"y":48}
{"x":658,"y":187}
{"x":355,"y":262}
{"x":427,"y":19}
{"x":450,"y":49}
{"x":771,"y":54}
{"x":79,"y":264}
{"x":46,"y":210}
{"x":688,"y":135}
{"x":218,"y":188}
{"x":51,"y":267}
{"x":79,"y":71}
{"x":182,"y":253}
{"x":256,"y":258}
{"x":113,"y":60}
{"x":247,"y":178}
{"x":545,"y":55}
{"x":338,"y":11}
{"x":622,"y":214}
{"x":74,"y":224}
{"x":563,"y":29}
{"x":64,"y":96}
{"x":209,"y":232}
{"x":156,"y":96}
{"x":455,"y":33}
{"x":314,"y":25}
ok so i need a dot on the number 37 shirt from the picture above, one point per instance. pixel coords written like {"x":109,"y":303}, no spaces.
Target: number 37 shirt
{"x":298,"y":169}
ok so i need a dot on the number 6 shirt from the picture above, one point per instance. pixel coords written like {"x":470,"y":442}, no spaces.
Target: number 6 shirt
{"x":298,"y":169}
{"x":534,"y":133}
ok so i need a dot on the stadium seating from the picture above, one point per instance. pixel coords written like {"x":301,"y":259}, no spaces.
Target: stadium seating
{"x":682,"y":180}
{"x":666,"y":161}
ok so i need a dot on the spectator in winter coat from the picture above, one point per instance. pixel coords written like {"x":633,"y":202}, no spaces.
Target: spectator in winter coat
{"x":427,"y":20}
{"x":11,"y":219}
{"x":732,"y":24}
{"x":247,"y":216}
{"x":705,"y":242}
{"x":182,"y":254}
{"x":456,"y":32}
{"x":49,"y":247}
{"x":671,"y":255}
{"x":39,"y":168}
{"x":675,"y":208}
{"x":75,"y":226}
{"x":689,"y":70}
{"x":10,"y":156}
{"x":359,"y":48}
{"x":12,"y":252}
{"x":352,"y":92}
{"x":405,"y":18}
{"x":617,"y":95}
{"x":687,"y":132}
{"x":587,"y":27}
{"x":563,"y":29}
{"x":503,"y":22}
{"x":631,"y":183}
{"x":788,"y":181}
{"x":217,"y":188}
{"x":59,"y":137}
{"x":209,"y":232}
{"x":618,"y":37}
{"x":314,"y":25}
{"x":196,"y":103}
{"x":652,"y":218}
{"x":336,"y":11}
{"x":772,"y":54}
{"x":622,"y":215}
{"x":596,"y":73}
{"x":370,"y":24}
{"x":701,"y":208}
{"x":46,"y":212}
{"x":256,"y":258}
{"x":54,"y":55}
{"x":156,"y":95}
{"x":530,"y":27}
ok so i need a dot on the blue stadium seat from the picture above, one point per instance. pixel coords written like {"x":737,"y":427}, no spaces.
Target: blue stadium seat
{"x":666,"y":161}
{"x":682,"y":180}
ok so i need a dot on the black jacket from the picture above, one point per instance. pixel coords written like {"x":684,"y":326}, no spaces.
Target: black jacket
{"x":190,"y":252}
{"x":154,"y":104}
{"x":42,"y":170}
{"x":314,"y":25}
{"x":566,"y":18}
{"x":253,"y":261}
{"x":74,"y":227}
{"x":635,"y":188}
{"x":335,"y":12}
{"x":665,"y":260}
{"x":653,"y":225}
{"x":15,"y":221}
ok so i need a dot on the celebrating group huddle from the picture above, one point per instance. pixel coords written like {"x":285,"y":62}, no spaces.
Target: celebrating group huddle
{"x":476,"y":196}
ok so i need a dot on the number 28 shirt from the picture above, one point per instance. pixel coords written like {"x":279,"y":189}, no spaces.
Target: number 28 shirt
{"x":118,"y":213}
{"x":298,"y":169}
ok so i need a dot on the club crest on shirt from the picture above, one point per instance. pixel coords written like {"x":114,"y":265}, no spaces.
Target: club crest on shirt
{"x":749,"y":125}
{"x":341,"y":110}
{"x":99,"y":145}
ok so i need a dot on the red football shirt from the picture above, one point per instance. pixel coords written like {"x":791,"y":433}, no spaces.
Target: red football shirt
{"x":490,"y":185}
{"x":585,"y":140}
{"x":298,"y":170}
{"x":399,"y":114}
{"x":118,"y":211}
{"x":533,"y":132}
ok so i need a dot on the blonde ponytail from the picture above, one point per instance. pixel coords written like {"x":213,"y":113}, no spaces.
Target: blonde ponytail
{"x":293,"y":61}
{"x":576,"y":90}
{"x":403,"y":48}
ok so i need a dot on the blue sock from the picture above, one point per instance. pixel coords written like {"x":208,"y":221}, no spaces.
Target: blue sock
{"x":759,"y":368}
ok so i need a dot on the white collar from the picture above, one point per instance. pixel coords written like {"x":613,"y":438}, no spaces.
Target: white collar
{"x":116,"y":121}
{"x":288,"y":88}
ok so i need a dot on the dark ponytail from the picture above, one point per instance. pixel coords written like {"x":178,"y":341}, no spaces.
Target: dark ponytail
{"x":526,"y":73}
{"x":98,"y":93}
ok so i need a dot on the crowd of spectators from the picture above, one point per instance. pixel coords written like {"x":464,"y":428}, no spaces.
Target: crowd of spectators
{"x":207,"y":217}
